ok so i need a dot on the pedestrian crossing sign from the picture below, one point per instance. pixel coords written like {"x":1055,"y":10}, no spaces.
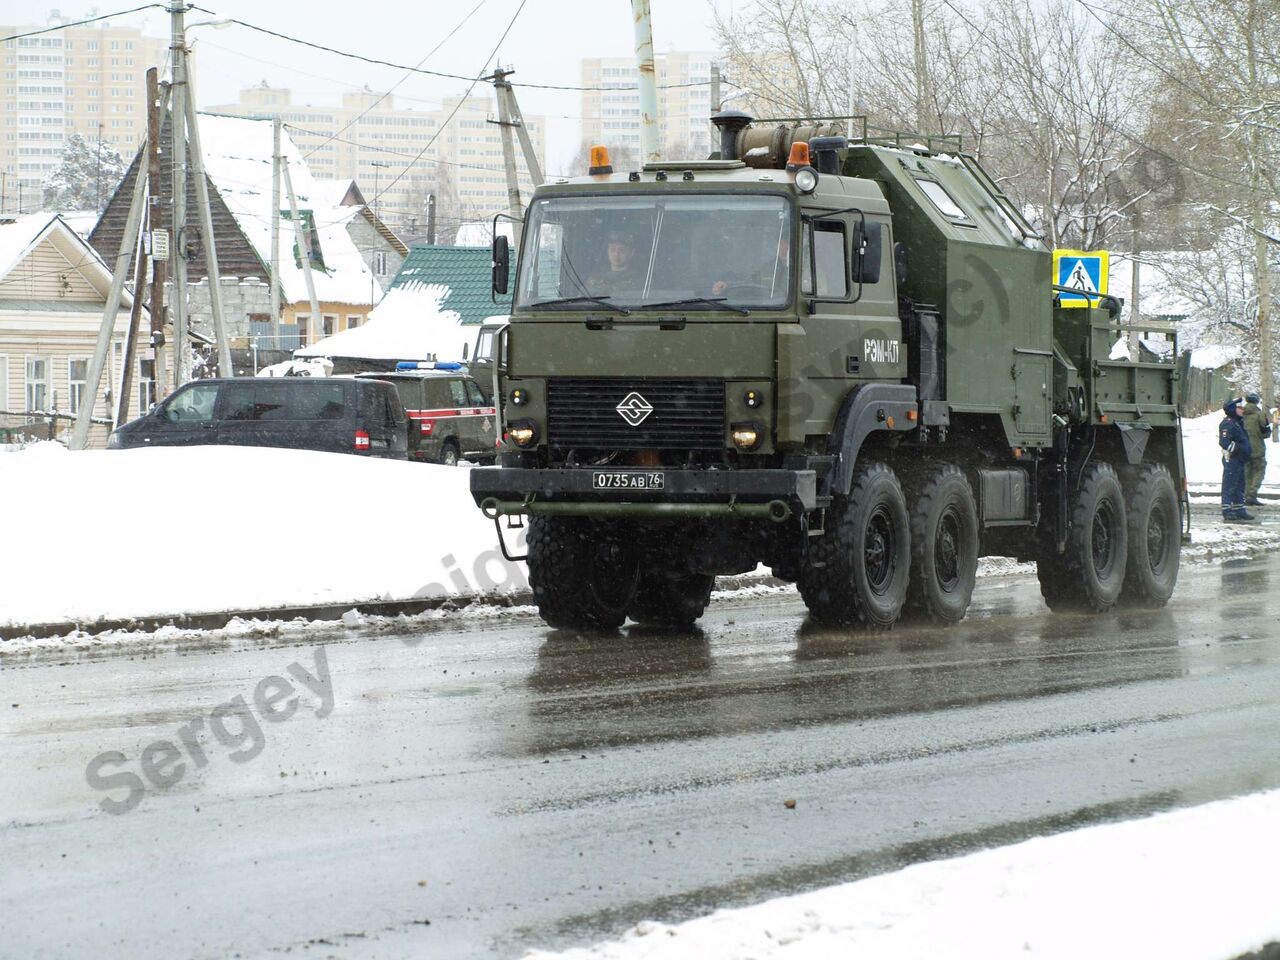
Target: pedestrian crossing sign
{"x":1081,"y":270}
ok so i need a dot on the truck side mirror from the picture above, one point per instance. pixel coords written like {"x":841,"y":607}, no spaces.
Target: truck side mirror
{"x":900,"y":264}
{"x":501,"y":264}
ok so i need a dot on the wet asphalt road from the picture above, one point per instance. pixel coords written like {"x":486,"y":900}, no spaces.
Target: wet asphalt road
{"x":483,"y":788}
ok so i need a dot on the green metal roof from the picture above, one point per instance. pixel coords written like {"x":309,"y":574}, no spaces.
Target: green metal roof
{"x":466,"y":271}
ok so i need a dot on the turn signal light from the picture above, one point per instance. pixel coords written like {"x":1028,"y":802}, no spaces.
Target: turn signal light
{"x":799,"y":156}
{"x":600,"y":160}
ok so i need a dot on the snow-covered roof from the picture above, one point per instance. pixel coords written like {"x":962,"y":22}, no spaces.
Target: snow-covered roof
{"x":409,"y":324}
{"x":237,"y":157}
{"x":1211,"y":356}
{"x":20,"y":235}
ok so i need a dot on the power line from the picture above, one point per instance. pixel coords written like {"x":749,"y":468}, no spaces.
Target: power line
{"x":81,"y":23}
{"x":438,"y":73}
{"x":458,"y":106}
{"x":365,"y":112}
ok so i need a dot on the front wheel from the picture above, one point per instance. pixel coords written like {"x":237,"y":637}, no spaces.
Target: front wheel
{"x":857,"y":571}
{"x":582,"y":576}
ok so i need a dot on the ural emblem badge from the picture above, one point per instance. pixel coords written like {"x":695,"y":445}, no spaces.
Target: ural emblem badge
{"x":634,"y":409}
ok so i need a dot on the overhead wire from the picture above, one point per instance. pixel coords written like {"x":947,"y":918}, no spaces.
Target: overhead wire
{"x":81,"y":23}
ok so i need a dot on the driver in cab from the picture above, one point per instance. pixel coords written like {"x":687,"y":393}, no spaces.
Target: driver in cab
{"x":626,"y":268}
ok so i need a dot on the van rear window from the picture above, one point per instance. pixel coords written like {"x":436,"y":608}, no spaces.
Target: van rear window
{"x":253,"y":400}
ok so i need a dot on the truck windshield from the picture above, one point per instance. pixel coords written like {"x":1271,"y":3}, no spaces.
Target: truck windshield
{"x":700,"y":252}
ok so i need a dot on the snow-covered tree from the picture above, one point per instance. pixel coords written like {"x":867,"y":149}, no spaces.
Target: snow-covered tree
{"x":86,"y":177}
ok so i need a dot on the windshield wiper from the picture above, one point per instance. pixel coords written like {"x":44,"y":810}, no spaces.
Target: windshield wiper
{"x":603,"y":301}
{"x":691,"y":300}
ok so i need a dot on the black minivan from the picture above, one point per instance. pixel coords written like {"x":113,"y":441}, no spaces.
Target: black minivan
{"x":337,"y":415}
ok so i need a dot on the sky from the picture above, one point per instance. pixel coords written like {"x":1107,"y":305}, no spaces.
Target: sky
{"x":545,"y":45}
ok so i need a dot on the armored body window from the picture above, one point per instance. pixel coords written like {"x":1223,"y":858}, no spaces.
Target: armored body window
{"x":824,"y":254}
{"x":946,"y":204}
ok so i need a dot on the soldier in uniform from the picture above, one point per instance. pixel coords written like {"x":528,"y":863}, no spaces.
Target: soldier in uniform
{"x":1255,"y":424}
{"x":1234,"y":442}
{"x":626,"y":273}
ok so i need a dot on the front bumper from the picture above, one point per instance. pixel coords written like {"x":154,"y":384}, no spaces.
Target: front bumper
{"x":750,"y":494}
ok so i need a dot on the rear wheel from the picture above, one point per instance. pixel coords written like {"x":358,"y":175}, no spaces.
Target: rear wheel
{"x":581,"y":575}
{"x":671,"y":600}
{"x":449,"y":454}
{"x":1155,"y":538}
{"x":1090,"y":574}
{"x":857,"y":571}
{"x":944,"y":546}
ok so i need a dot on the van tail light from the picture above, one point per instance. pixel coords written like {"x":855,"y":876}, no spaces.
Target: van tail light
{"x":427,"y":427}
{"x":362,"y":441}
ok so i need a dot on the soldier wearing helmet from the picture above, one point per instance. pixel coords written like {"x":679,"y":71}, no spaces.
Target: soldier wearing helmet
{"x":1236,"y":451}
{"x":1255,"y":423}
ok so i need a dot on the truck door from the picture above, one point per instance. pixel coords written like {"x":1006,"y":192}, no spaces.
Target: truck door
{"x":1031,"y":386}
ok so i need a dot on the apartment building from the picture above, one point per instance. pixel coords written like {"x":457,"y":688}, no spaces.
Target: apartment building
{"x":369,"y":139}
{"x":612,"y":115}
{"x":88,"y":80}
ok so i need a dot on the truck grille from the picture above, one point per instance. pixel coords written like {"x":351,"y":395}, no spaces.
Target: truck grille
{"x":682,"y":414}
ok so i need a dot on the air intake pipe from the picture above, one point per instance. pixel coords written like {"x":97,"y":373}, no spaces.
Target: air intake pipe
{"x":826,"y":153}
{"x":730,"y":123}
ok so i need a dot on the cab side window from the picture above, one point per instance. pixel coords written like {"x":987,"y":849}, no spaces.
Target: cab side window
{"x":474,"y":396}
{"x":824,"y":254}
{"x":457,"y":393}
{"x":192,"y":405}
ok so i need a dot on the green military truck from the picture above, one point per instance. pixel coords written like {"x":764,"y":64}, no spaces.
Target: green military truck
{"x":843,"y":359}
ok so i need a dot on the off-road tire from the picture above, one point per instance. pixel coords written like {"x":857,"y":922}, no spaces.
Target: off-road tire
{"x":857,"y":571}
{"x":449,"y":455}
{"x":944,"y":546}
{"x":580,"y":576}
{"x":666,"y":600}
{"x":1155,"y":538}
{"x":1090,"y":575}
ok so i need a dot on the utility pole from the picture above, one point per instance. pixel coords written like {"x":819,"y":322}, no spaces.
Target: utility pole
{"x":177,"y":124}
{"x":378,"y":167}
{"x":431,"y":218}
{"x":275,"y":233}
{"x":715,"y":106}
{"x":921,"y":65}
{"x":93,"y":379}
{"x":501,"y":88}
{"x":155,"y":110}
{"x":225,"y":368}
{"x":135,"y":318}
{"x":304,"y":248}
{"x":648,"y":81}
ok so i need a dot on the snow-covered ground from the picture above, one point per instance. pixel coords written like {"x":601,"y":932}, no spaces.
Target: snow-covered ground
{"x":117,"y":534}
{"x":1195,"y":884}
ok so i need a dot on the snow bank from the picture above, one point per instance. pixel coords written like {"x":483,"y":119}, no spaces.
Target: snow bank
{"x":1194,"y":884}
{"x":258,"y":528}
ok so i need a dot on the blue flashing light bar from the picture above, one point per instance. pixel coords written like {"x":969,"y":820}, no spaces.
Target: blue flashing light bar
{"x":428,"y":365}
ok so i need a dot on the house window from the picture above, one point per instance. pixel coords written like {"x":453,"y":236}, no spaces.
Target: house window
{"x":146,"y":386}
{"x":353,"y":321}
{"x":77,"y":374}
{"x":380,"y":263}
{"x":37,"y":383}
{"x":329,"y":324}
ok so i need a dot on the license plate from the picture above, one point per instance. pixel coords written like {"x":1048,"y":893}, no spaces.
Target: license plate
{"x":627,"y":480}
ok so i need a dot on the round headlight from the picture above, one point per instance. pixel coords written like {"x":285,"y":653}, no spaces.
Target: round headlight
{"x":806,"y":179}
{"x":747,"y":436}
{"x":523,"y":433}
